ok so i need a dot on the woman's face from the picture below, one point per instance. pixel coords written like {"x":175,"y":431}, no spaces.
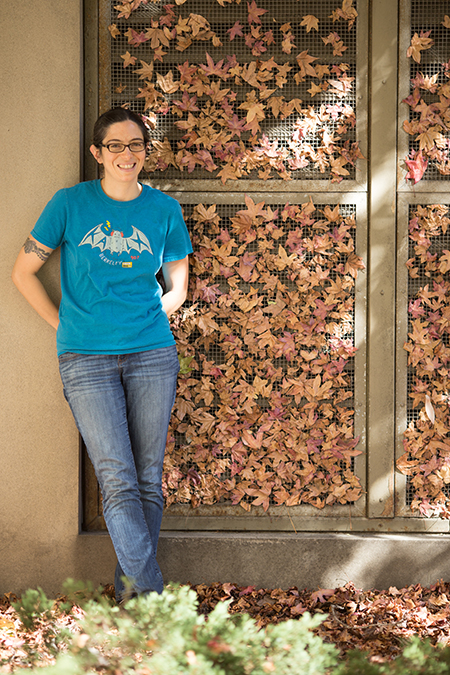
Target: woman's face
{"x":122,"y":167}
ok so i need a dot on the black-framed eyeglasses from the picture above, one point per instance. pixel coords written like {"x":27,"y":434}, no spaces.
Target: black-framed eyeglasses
{"x":135,"y":146}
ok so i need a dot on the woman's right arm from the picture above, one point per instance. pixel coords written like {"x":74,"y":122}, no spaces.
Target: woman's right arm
{"x":32,"y":256}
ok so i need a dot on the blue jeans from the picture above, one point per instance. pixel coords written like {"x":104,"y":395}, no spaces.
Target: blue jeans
{"x":122,"y":407}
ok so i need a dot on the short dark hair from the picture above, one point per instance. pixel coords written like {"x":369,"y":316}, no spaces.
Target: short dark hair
{"x":112,"y":117}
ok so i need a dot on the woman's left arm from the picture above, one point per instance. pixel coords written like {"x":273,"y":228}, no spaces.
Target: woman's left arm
{"x":176,"y":276}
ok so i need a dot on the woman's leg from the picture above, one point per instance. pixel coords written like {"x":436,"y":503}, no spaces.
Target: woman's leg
{"x":94,"y":390}
{"x":149,"y":381}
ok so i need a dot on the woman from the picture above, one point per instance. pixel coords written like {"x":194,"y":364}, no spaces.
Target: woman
{"x":117,"y":356}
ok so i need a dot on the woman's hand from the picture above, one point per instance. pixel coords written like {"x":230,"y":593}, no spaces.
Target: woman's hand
{"x":29,"y":261}
{"x":176,"y":276}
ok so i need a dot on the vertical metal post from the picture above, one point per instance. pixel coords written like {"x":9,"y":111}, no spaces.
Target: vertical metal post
{"x":90,"y":48}
{"x":382,"y":210}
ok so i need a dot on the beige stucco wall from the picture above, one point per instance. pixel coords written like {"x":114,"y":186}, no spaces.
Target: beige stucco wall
{"x":40,"y":131}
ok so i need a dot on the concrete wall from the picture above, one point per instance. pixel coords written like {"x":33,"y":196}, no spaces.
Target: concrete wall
{"x":40,"y":106}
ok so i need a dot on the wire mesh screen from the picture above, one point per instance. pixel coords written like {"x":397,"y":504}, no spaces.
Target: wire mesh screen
{"x":427,"y":126}
{"x":265,"y":407}
{"x":264,"y":414}
{"x":248,"y":90}
{"x":427,"y":438}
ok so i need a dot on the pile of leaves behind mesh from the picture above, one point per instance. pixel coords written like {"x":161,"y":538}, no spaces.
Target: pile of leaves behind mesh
{"x":377,"y":622}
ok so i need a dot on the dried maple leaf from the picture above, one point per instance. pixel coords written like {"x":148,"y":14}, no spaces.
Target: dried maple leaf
{"x":145,"y":71}
{"x":114,"y":30}
{"x":158,"y":54}
{"x":152,"y":97}
{"x":304,"y":61}
{"x":419,"y":44}
{"x":310,"y":22}
{"x":287,"y":44}
{"x":348,"y":13}
{"x":336,"y":42}
{"x":135,"y":38}
{"x":167,"y":83}
{"x":353,"y":264}
{"x":128,"y":59}
{"x":235,"y":31}
{"x":158,"y":36}
{"x":254,"y":12}
{"x":165,"y":152}
{"x":214,"y":69}
{"x":342,"y":86}
{"x":124,"y":9}
{"x":203,"y":214}
{"x":255,"y":112}
{"x":337,"y":166}
{"x":417,"y":166}
{"x":229,"y":171}
{"x":431,"y":138}
{"x":199,"y":26}
{"x":315,"y":89}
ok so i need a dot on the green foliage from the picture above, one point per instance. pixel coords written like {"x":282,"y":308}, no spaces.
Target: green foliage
{"x":419,"y":657}
{"x":39,"y":615}
{"x":33,"y":606}
{"x":80,"y":592}
{"x":162,"y":634}
{"x":185,"y":364}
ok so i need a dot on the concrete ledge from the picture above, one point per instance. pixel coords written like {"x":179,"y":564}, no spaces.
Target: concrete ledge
{"x":306,"y":560}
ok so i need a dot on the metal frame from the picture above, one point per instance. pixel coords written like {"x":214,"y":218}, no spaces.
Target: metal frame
{"x":294,"y":518}
{"x":425,"y":186}
{"x":277,"y":518}
{"x":380,"y":369}
{"x":425,"y":192}
{"x":381,"y":297}
{"x":213,"y":185}
{"x":404,"y":201}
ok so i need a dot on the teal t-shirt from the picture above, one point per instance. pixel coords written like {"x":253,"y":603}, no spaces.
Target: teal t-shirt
{"x":111,"y":252}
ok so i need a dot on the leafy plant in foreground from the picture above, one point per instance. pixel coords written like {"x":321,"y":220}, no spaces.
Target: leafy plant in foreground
{"x":38,"y":614}
{"x":32,"y":607}
{"x":165,"y":634}
{"x":418,"y":658}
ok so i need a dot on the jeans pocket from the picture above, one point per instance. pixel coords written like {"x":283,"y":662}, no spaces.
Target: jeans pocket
{"x":68,"y":356}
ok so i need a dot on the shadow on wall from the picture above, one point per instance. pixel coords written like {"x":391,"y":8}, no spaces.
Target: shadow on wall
{"x":306,"y":560}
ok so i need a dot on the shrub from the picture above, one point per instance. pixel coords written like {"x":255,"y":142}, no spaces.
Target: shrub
{"x":419,"y":657}
{"x":164,"y":634}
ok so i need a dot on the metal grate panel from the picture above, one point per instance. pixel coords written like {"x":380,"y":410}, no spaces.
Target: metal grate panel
{"x":428,"y":15}
{"x":217,"y":354}
{"x":420,"y":279}
{"x":125,"y":83}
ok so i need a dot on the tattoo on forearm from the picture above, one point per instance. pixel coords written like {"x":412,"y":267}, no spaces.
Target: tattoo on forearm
{"x":31,"y":247}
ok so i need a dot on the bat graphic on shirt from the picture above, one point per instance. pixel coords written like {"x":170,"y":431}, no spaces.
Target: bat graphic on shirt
{"x":105,"y":238}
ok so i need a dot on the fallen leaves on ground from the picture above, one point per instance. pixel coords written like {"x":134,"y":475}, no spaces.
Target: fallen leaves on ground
{"x":376,"y":621}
